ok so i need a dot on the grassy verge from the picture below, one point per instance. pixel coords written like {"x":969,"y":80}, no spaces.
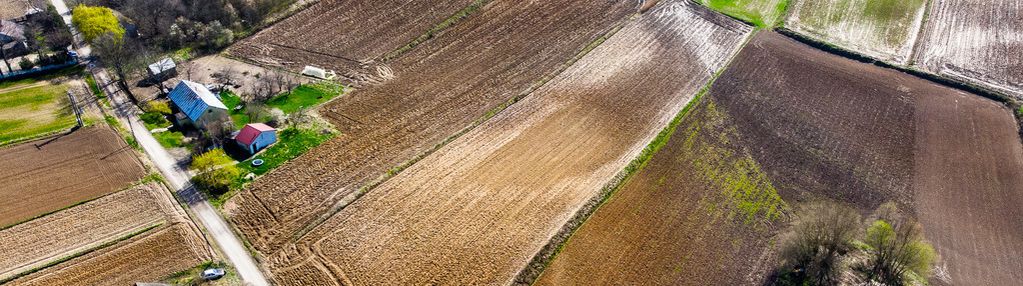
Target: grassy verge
{"x":81,"y":253}
{"x":94,"y":87}
{"x":128,"y":137}
{"x":191,"y":276}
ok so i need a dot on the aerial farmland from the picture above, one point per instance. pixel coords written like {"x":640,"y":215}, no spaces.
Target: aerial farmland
{"x":501,"y":142}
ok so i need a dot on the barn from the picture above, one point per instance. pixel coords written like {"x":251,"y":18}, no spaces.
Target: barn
{"x":199,"y":106}
{"x":256,"y":136}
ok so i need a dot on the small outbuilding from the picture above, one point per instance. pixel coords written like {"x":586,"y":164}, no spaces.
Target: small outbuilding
{"x":318,"y":72}
{"x":163,"y":70}
{"x":199,"y":106}
{"x":256,"y":136}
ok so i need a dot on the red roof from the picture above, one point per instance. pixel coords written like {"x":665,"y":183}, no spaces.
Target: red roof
{"x":251,"y":131}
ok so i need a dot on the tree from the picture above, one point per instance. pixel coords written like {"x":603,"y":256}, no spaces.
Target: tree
{"x":125,"y":57}
{"x":255,"y":111}
{"x":215,"y":171}
{"x":898,"y":253}
{"x":149,"y":14}
{"x":226,"y":76}
{"x":813,"y":252}
{"x":94,"y":22}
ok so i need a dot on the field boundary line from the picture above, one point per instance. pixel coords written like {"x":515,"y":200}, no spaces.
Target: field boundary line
{"x":82,"y":253}
{"x":437,"y":30}
{"x":951,"y":82}
{"x":920,"y":32}
{"x":394,"y":171}
{"x":84,"y":248}
{"x":536,"y":266}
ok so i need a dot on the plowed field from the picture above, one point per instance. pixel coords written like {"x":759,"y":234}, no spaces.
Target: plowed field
{"x":341,"y":35}
{"x":884,"y":29}
{"x":10,"y":9}
{"x":147,"y":257}
{"x":975,"y":40}
{"x":440,"y":88}
{"x":37,"y":242}
{"x":821,"y":127}
{"x":46,"y":175}
{"x":478,"y":210}
{"x":699,"y":213}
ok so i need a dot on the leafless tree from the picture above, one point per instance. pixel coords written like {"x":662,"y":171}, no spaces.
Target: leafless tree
{"x":226,"y":76}
{"x":256,"y":111}
{"x":149,"y":14}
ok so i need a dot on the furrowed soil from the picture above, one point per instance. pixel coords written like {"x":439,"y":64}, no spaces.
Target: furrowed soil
{"x":883,"y":29}
{"x":976,"y":41}
{"x":147,"y":257}
{"x":342,"y":35}
{"x":479,"y":209}
{"x":50,"y":174}
{"x":439,"y":89}
{"x":810,"y":126}
{"x":40,"y":241}
{"x":701,"y":212}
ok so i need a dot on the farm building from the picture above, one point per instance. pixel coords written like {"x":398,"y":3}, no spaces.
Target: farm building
{"x":256,"y":136}
{"x":162,"y":70}
{"x":199,"y":106}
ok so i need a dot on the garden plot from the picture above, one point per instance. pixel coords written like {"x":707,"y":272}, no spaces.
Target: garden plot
{"x":342,"y":35}
{"x":46,"y":175}
{"x":976,"y":41}
{"x":479,"y":209}
{"x":443,"y":86}
{"x":883,"y":29}
{"x":33,"y":109}
{"x":811,"y":125}
{"x":35,"y":243}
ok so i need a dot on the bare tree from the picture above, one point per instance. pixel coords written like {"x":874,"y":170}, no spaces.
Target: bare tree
{"x":256,"y":111}
{"x":226,"y":76}
{"x":149,"y":14}
{"x":822,"y":234}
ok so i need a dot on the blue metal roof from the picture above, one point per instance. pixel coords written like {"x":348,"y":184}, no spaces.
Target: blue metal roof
{"x":194,"y":99}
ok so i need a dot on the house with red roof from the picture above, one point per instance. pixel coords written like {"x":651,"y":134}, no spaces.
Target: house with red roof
{"x":256,"y":136}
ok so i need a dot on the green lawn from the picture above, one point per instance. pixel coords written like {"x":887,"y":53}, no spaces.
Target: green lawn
{"x":291,"y":142}
{"x":306,"y":96}
{"x":238,"y":117}
{"x":28,"y":112}
{"x":762,"y":13}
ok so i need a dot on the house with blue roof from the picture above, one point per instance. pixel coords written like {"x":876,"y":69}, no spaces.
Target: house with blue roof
{"x":198,"y":105}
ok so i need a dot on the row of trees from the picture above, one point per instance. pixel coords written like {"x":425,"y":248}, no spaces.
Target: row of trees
{"x":46,"y":36}
{"x":830,"y":245}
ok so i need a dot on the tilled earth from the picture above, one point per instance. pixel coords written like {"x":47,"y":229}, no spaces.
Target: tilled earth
{"x":440,"y":88}
{"x":49,"y":174}
{"x":977,"y":41}
{"x":479,"y":209}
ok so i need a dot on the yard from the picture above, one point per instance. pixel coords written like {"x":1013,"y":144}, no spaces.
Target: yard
{"x":33,"y":109}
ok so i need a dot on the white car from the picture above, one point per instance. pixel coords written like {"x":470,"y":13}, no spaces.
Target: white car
{"x":212,"y":273}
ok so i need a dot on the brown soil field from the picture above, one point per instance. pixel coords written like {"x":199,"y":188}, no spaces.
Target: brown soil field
{"x":50,"y":174}
{"x":821,"y":127}
{"x":343,"y":35}
{"x":147,"y":257}
{"x":701,"y":212}
{"x":478,"y":210}
{"x":442,"y":87}
{"x":976,"y":41}
{"x":10,"y":9}
{"x":40,"y":241}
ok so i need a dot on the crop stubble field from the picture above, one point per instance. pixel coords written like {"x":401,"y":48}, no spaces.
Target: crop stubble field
{"x":479,"y":209}
{"x":139,"y":234}
{"x":886,"y":29}
{"x":823,"y":127}
{"x":440,"y":88}
{"x":32,"y":244}
{"x":976,"y":41}
{"x":343,"y":35}
{"x":49,"y":174}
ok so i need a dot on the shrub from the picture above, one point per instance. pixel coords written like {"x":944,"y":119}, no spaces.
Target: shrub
{"x":95,"y":21}
{"x":898,"y":253}
{"x":157,"y":106}
{"x":215,"y":171}
{"x":812,"y":253}
{"x":26,"y":64}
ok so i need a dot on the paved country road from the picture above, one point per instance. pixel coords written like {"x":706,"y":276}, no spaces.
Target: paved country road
{"x":176,"y":175}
